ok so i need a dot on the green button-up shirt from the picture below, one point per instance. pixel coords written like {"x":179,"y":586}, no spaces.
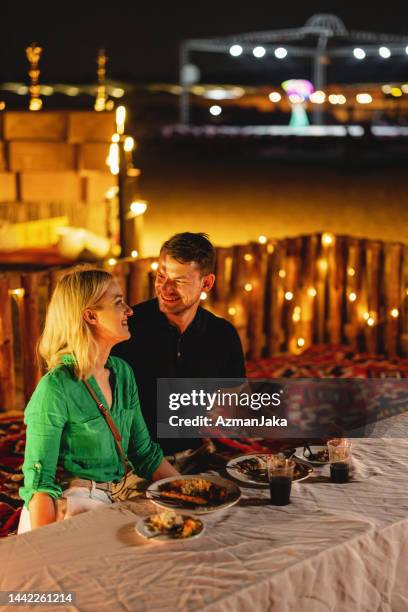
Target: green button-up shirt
{"x":66,"y":428}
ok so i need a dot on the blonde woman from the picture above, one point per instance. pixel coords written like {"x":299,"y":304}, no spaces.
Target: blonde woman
{"x":86,"y":317}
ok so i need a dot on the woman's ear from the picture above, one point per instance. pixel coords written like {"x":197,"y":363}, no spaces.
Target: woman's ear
{"x":90,"y":316}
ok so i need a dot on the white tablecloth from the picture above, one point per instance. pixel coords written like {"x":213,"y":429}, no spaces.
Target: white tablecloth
{"x":341,"y":548}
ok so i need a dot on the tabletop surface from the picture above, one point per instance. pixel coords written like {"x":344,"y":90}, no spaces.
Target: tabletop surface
{"x":334,"y":547}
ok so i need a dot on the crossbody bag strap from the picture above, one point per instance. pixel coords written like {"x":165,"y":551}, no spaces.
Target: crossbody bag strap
{"x":111,"y":424}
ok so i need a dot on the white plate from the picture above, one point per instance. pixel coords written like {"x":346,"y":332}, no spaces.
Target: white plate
{"x":315,"y":448}
{"x":143,"y":529}
{"x":235,"y":473}
{"x":233,"y":494}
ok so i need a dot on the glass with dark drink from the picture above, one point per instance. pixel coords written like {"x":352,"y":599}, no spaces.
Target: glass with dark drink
{"x":280,"y":472}
{"x":340,"y":458}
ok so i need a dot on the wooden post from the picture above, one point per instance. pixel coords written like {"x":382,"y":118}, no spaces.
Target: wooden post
{"x":7,"y":371}
{"x":392,"y":276}
{"x":31,"y":331}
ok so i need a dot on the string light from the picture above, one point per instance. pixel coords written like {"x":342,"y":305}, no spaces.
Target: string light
{"x":327,"y":239}
{"x":359,"y":53}
{"x":364,"y":98}
{"x":351,"y":271}
{"x":352,"y":296}
{"x":17,"y":292}
{"x":128,"y":144}
{"x":248,"y":287}
{"x":215,"y":110}
{"x":323,"y":265}
{"x":203,"y":296}
{"x":154,"y":266}
{"x":288,"y":296}
{"x":394,"y":313}
{"x":232,"y":311}
{"x":301,"y":342}
{"x":236,"y":50}
{"x":134,"y":254}
{"x":370,"y":322}
{"x":280,"y":53}
{"x":112,"y":261}
{"x":312,"y":292}
{"x":384,"y":52}
{"x":282,"y":274}
{"x":275,"y":96}
{"x":259,"y":52}
{"x":248,"y":257}
{"x":262,"y":239}
{"x":366,"y":316}
{"x":270,"y":248}
{"x":317,"y":97}
{"x":138,"y":207}
{"x":120,"y":119}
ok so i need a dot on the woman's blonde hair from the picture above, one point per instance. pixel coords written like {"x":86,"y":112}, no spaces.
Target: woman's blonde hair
{"x":65,"y":331}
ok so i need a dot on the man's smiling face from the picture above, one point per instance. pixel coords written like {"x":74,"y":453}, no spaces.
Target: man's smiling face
{"x":178,"y":285}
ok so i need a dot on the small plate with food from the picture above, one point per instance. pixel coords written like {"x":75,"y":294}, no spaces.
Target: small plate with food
{"x":252,"y":469}
{"x":320,"y":454}
{"x":198,"y":494}
{"x":168,"y":526}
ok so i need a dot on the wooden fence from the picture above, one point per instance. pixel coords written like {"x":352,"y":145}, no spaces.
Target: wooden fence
{"x":282,"y":295}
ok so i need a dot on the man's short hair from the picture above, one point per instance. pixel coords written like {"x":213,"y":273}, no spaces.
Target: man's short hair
{"x":187,"y":247}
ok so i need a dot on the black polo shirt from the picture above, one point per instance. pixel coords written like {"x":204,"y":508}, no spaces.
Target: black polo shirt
{"x":209,"y":348}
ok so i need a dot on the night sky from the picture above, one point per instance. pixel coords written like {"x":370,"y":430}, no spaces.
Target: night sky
{"x":141,"y":38}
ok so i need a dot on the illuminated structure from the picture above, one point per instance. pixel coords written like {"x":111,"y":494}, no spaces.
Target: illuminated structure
{"x":298,"y":91}
{"x":33,"y":53}
{"x":321,"y":40}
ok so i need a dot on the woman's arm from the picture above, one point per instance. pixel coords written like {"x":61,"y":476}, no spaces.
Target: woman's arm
{"x":165,"y":470}
{"x":42,"y":510}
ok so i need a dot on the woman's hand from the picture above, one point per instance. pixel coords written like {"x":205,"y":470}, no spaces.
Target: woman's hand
{"x":165,"y":470}
{"x":42,"y":510}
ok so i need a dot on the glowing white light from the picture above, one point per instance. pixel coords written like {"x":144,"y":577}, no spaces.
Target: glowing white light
{"x":236,"y":50}
{"x":359,"y":53}
{"x":288,"y":296}
{"x":406,"y":49}
{"x":352,"y":296}
{"x":333,"y":99}
{"x":394,"y":313}
{"x":404,"y":88}
{"x":128,"y":144}
{"x":275,"y":96}
{"x":351,"y":271}
{"x":203,"y":295}
{"x":364,"y":98}
{"x":370,"y":321}
{"x":134,"y":254}
{"x":262,"y":239}
{"x":282,"y":274}
{"x":215,"y":110}
{"x":112,"y":261}
{"x":232,"y":311}
{"x":138,"y":207}
{"x":384,"y":52}
{"x":248,"y":287}
{"x":259,"y":51}
{"x":300,"y":342}
{"x":120,"y":119}
{"x":386,"y":89}
{"x":296,"y":98}
{"x":154,"y":266}
{"x":317,"y":97}
{"x":327,"y":239}
{"x":312,"y":292}
{"x":281,"y":52}
{"x":341,"y":99}
{"x":118,"y":92}
{"x":46,"y":90}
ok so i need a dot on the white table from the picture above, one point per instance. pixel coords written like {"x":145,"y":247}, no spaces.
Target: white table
{"x":341,"y":548}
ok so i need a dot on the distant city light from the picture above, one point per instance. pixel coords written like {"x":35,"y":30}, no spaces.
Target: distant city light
{"x":118,"y":92}
{"x":275,"y":96}
{"x":295,"y":98}
{"x":341,"y":99}
{"x":386,"y":89}
{"x":333,"y":99}
{"x":259,"y":51}
{"x":359,"y":53}
{"x":281,"y":52}
{"x":384,"y":52}
{"x":317,"y":97}
{"x":72,"y":91}
{"x":236,"y":50}
{"x":396,"y":92}
{"x":364,"y":98}
{"x":215,"y":110}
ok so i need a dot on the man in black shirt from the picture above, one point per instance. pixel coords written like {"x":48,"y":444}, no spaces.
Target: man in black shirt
{"x":172,"y":336}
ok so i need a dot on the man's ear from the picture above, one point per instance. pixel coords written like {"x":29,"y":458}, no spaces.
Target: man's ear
{"x":90,"y":316}
{"x":208,"y":282}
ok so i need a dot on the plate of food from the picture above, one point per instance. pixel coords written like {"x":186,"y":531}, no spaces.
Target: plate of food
{"x":168,"y":526}
{"x":197,"y":494}
{"x":252,"y":469}
{"x":320,"y":454}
